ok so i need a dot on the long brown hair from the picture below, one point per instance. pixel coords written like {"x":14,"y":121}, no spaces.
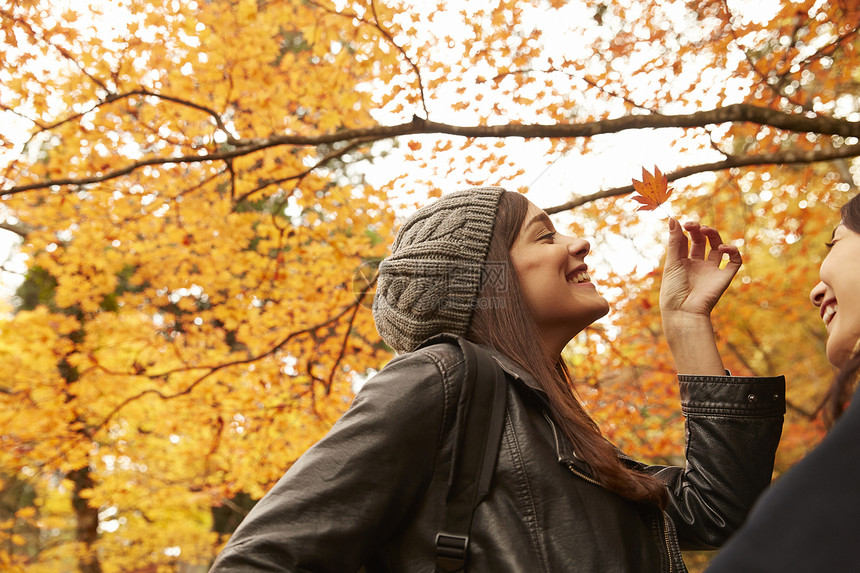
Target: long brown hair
{"x":842,"y":388}
{"x":502,"y":321}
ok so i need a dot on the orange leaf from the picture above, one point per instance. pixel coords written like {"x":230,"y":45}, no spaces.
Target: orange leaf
{"x":654,"y":190}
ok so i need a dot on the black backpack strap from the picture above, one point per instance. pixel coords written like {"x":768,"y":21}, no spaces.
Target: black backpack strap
{"x":478,"y":434}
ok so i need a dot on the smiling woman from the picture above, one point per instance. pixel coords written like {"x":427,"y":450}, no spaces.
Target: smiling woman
{"x":554,"y":280}
{"x":837,"y":295}
{"x":810,"y":519}
{"x":487,"y":266}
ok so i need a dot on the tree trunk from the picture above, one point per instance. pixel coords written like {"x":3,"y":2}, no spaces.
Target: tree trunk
{"x":87,"y":518}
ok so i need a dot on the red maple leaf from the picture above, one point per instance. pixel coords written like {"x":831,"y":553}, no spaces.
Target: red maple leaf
{"x":654,"y":190}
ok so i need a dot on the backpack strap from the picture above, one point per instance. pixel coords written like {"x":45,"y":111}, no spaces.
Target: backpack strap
{"x":477,"y":436}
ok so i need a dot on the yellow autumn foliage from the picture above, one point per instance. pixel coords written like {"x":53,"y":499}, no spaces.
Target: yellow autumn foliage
{"x":196,"y":185}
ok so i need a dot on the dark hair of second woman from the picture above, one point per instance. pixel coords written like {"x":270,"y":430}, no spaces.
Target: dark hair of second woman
{"x":502,"y":321}
{"x":842,"y":389}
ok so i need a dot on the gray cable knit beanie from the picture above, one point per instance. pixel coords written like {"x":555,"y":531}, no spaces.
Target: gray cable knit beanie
{"x":429,"y":284}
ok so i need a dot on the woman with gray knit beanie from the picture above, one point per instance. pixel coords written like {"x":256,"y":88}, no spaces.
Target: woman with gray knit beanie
{"x":486,"y":265}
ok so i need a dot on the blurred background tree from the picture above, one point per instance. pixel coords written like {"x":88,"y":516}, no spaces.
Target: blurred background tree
{"x":198,"y":192}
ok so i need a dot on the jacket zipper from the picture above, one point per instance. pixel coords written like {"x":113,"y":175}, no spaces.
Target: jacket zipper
{"x":576,"y":472}
{"x":665,"y":526}
{"x":666,"y":541}
{"x":569,"y":465}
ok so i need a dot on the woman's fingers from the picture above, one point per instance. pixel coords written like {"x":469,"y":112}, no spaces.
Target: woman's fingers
{"x":703,"y":237}
{"x":715,"y":241}
{"x":698,"y":240}
{"x":704,"y":243}
{"x":718,"y":248}
{"x":733,"y":253}
{"x":678,"y":247}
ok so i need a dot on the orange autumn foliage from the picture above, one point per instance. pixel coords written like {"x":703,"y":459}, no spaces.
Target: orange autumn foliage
{"x":200,"y":192}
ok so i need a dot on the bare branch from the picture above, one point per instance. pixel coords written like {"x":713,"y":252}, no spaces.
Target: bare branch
{"x":40,"y":36}
{"x":828,"y":50}
{"x":147,"y":93}
{"x":304,"y":173}
{"x":13,"y":111}
{"x":729,"y":114}
{"x":784,"y":158}
{"x":378,"y":25}
{"x":343,"y":345}
{"x":210,"y":370}
{"x":20,"y":230}
{"x":231,"y":138}
{"x":388,"y":37}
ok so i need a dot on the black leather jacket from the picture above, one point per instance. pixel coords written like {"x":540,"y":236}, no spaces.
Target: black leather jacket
{"x":371,"y":493}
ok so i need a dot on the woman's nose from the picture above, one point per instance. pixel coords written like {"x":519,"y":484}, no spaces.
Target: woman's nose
{"x":816,"y":295}
{"x":578,"y":247}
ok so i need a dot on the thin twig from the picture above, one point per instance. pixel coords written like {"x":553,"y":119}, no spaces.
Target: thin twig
{"x":785,"y":158}
{"x":212,"y":370}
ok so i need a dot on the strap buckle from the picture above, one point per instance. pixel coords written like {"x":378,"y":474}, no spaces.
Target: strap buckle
{"x":451,"y":551}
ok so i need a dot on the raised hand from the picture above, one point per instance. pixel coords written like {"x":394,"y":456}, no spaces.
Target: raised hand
{"x":693,"y":280}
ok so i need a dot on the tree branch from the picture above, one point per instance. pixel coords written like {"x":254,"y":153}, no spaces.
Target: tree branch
{"x":784,"y":158}
{"x":343,"y":345}
{"x":399,"y":48}
{"x":215,"y":368}
{"x":388,"y":37}
{"x":729,"y":114}
{"x":20,"y":229}
{"x":41,"y":36}
{"x":148,"y":93}
{"x":304,"y":173}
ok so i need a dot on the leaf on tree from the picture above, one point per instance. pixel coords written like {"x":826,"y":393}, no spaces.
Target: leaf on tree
{"x":653,"y":190}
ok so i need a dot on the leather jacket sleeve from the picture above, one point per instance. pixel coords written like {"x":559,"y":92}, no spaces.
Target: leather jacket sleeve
{"x":352,"y":489}
{"x":733,"y":426}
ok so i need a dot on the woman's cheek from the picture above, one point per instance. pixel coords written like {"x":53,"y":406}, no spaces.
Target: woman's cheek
{"x":843,"y":343}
